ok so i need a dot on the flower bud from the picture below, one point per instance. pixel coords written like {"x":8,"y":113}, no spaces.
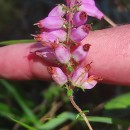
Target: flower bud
{"x":46,"y":38}
{"x":91,"y":2}
{"x":60,"y":34}
{"x":91,"y":10}
{"x":79,"y":76}
{"x":80,"y":53}
{"x":47,"y":54}
{"x":62,"y":54}
{"x":57,"y":75}
{"x":89,"y":83}
{"x":51,"y":22}
{"x":80,"y":18}
{"x":78,"y":34}
{"x":59,"y":11}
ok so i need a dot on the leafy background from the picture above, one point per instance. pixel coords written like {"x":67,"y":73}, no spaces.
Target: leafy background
{"x":43,"y":105}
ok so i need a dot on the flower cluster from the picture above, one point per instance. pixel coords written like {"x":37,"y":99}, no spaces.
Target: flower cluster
{"x":61,"y":34}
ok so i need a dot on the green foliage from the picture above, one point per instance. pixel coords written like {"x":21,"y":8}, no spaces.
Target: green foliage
{"x":120,"y":102}
{"x":3,"y":43}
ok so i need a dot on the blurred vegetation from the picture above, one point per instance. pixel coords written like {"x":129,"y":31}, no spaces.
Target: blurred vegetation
{"x":44,"y":106}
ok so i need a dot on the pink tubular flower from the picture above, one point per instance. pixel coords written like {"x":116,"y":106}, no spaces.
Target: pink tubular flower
{"x":62,"y":54}
{"x":68,"y":2}
{"x":89,"y":83}
{"x":47,"y":54}
{"x":46,"y":38}
{"x":60,"y":34}
{"x":57,"y":75}
{"x":51,"y":22}
{"x":91,"y":2}
{"x":59,"y":10}
{"x":91,"y":10}
{"x":78,"y":34}
{"x":79,"y":76}
{"x":80,"y":18}
{"x":80,"y":52}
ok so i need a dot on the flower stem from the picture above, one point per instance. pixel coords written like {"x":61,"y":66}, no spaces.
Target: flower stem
{"x":81,"y":112}
{"x":110,"y":21}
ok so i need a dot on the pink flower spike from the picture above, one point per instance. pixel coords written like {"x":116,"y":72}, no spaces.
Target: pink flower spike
{"x":91,"y":2}
{"x":80,"y":18}
{"x":59,"y":10}
{"x":79,"y":76}
{"x":62,"y":54}
{"x":81,"y":52}
{"x":91,"y":10}
{"x":89,"y":83}
{"x":57,"y":75}
{"x":60,"y":34}
{"x":51,"y":22}
{"x":78,"y":34}
{"x":46,"y":38}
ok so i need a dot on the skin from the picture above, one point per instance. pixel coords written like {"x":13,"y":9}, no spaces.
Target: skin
{"x":109,"y":52}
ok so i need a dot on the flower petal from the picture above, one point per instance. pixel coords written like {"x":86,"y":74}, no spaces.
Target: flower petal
{"x":62,"y":54}
{"x":79,"y":76}
{"x":91,"y":10}
{"x":51,"y":22}
{"x":58,"y":11}
{"x":57,"y":75}
{"x":78,"y":34}
{"x":81,"y":52}
{"x":80,"y":18}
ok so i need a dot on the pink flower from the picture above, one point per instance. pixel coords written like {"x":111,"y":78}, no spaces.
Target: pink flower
{"x":57,"y":75}
{"x":60,"y":34}
{"x":46,"y":38}
{"x":79,"y":76}
{"x":91,"y":2}
{"x":89,"y":83}
{"x":47,"y":54}
{"x":62,"y":54}
{"x":80,"y":18}
{"x":51,"y":22}
{"x":78,"y":34}
{"x":68,"y":2}
{"x":80,"y":53}
{"x":59,"y":10}
{"x":91,"y":10}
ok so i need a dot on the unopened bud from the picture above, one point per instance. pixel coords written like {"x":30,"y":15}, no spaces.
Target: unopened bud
{"x":59,"y":10}
{"x":51,"y":22}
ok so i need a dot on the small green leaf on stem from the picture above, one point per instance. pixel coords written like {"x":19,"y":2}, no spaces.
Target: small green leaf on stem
{"x":69,"y":92}
{"x":70,"y":68}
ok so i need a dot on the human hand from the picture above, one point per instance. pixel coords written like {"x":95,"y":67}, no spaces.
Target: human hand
{"x":109,"y":52}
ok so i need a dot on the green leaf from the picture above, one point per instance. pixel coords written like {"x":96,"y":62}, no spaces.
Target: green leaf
{"x":5,"y":110}
{"x":120,"y":102}
{"x":69,"y":92}
{"x":19,"y":100}
{"x":70,"y":68}
{"x":16,"y":41}
{"x":107,"y":120}
{"x":53,"y":123}
{"x":22,"y":124}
